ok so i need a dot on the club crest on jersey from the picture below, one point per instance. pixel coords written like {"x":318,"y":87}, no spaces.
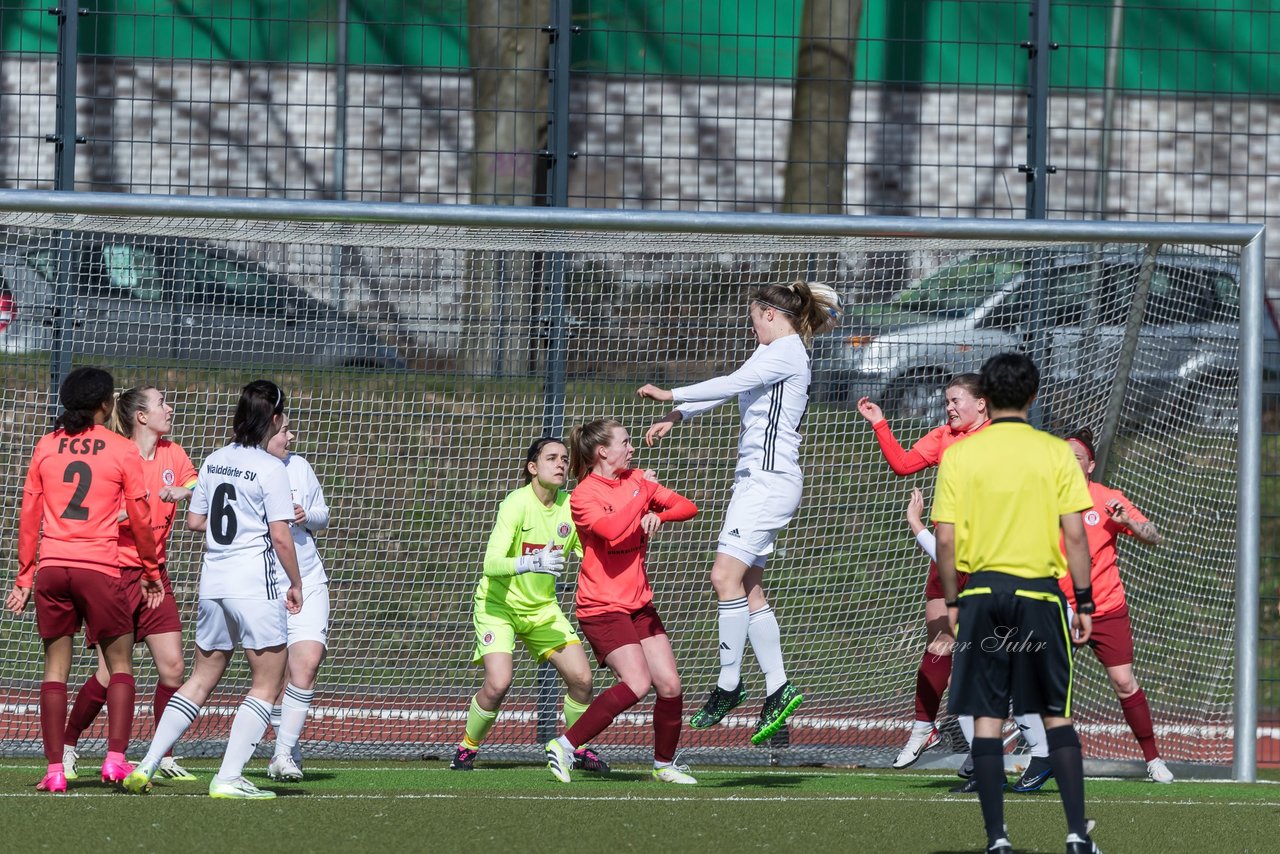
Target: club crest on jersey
{"x":563,"y":530}
{"x":168,"y":477}
{"x":487,"y":639}
{"x":1091,"y":517}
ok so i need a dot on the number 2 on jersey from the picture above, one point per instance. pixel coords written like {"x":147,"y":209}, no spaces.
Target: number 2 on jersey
{"x":222,"y":519}
{"x":79,"y":472}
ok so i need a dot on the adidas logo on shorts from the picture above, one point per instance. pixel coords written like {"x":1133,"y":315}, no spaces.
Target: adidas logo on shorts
{"x":734,"y":533}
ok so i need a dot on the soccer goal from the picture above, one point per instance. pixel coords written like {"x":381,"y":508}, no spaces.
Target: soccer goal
{"x":424,"y":347}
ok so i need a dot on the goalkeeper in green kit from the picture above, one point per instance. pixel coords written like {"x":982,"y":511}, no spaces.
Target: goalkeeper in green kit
{"x":516,"y":598}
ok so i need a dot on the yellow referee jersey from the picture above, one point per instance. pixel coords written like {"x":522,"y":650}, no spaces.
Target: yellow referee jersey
{"x":1005,"y":489}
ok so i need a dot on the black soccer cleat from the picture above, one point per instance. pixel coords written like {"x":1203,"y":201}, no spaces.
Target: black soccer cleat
{"x":1039,"y":770}
{"x":463,"y":760}
{"x":778,"y":706}
{"x":719,"y":704}
{"x":1079,"y":845}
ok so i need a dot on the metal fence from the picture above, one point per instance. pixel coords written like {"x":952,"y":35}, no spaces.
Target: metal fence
{"x":988,"y":108}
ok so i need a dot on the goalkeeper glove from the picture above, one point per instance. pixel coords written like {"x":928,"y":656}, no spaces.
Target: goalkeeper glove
{"x":548,"y":561}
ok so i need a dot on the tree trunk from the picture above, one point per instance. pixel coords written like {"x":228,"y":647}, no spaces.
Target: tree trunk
{"x":509,"y":55}
{"x":817,"y":150}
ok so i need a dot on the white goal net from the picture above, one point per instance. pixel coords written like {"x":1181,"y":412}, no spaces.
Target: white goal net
{"x":420,"y":361}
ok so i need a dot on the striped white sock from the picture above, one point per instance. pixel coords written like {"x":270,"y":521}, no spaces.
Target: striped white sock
{"x":251,"y":721}
{"x":733,"y":641}
{"x":178,"y":715}
{"x":296,"y":703}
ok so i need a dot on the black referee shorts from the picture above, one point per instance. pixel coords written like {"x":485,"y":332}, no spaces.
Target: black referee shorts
{"x":1013,"y":645}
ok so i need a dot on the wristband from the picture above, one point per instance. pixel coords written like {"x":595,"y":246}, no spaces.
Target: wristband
{"x":1084,"y":600}
{"x":954,"y":603}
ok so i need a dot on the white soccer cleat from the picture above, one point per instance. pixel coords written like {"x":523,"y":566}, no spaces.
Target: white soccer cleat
{"x":1157,"y":771}
{"x":284,"y":768}
{"x":920,"y":741}
{"x":171,"y":770}
{"x":674,"y":774}
{"x":559,"y":760}
{"x":238,"y":789}
{"x":69,"y":760}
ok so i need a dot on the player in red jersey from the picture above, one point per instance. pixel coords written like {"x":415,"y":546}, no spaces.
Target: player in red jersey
{"x":966,"y":415}
{"x":1113,"y":516}
{"x":80,"y":477}
{"x":142,"y":415}
{"x":616,"y":510}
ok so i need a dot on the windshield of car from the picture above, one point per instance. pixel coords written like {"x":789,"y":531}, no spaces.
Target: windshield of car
{"x":951,"y":292}
{"x":228,"y":280}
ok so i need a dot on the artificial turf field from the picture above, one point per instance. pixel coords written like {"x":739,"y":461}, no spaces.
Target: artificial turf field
{"x":421,"y":806}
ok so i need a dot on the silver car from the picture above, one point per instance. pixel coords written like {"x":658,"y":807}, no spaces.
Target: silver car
{"x":181,"y":300}
{"x":1072,"y":317}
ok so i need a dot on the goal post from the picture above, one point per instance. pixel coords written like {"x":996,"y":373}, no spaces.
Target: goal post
{"x":463,"y":333}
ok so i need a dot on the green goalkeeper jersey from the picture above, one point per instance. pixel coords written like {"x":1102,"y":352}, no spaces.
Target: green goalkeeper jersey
{"x":525,"y":525}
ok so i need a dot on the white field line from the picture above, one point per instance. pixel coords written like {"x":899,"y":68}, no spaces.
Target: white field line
{"x":813,"y":722}
{"x":745,"y":799}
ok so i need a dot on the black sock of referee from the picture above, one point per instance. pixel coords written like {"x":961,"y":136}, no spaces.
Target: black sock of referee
{"x":1068,"y":770}
{"x":988,"y":770}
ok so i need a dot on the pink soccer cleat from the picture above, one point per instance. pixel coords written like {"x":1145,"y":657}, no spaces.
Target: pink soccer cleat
{"x":114,"y":771}
{"x":54,"y":781}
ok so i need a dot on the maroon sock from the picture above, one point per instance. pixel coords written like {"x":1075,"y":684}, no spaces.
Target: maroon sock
{"x":163,"y":693}
{"x":1138,"y":715}
{"x":53,"y":718}
{"x":931,"y":681}
{"x":120,"y":696}
{"x":90,"y":699}
{"x":600,"y":714}
{"x":668,"y":713}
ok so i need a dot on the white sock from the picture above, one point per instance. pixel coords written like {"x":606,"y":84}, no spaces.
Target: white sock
{"x":922,"y":727}
{"x":766,"y":643}
{"x":564,"y":742}
{"x":1032,"y":727}
{"x":178,"y":715}
{"x":966,"y":727}
{"x":251,"y":721}
{"x":294,"y":715}
{"x":658,"y":766}
{"x":277,"y":715}
{"x":734,"y":620}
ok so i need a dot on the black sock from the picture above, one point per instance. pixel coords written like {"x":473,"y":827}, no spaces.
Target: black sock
{"x":988,"y":770}
{"x":1068,"y":770}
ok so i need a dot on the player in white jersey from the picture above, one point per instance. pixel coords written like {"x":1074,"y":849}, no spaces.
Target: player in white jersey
{"x":243,"y":504}
{"x":309,"y":628}
{"x":772,"y":388}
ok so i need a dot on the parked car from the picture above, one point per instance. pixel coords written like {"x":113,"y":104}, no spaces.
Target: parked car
{"x":900,"y":350}
{"x":182,"y":300}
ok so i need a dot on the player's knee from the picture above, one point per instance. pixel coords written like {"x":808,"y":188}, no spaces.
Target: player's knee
{"x":1125,"y":687}
{"x":639,"y":686}
{"x":578,"y":684}
{"x":942,"y":645}
{"x":668,"y":686}
{"x":495,"y":689}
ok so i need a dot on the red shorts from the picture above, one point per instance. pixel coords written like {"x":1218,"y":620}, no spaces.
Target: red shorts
{"x":146,"y":621}
{"x":616,"y":629}
{"x":1112,"y":638}
{"x":933,"y":587}
{"x":65,"y":596}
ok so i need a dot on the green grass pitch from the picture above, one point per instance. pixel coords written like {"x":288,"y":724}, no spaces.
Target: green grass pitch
{"x":417,"y":806}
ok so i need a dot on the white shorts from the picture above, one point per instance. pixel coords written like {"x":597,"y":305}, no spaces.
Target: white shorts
{"x":224,"y":624}
{"x":312,"y":622}
{"x":762,"y":505}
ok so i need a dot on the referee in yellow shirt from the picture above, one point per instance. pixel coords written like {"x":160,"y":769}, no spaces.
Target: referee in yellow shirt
{"x":1003,"y":497}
